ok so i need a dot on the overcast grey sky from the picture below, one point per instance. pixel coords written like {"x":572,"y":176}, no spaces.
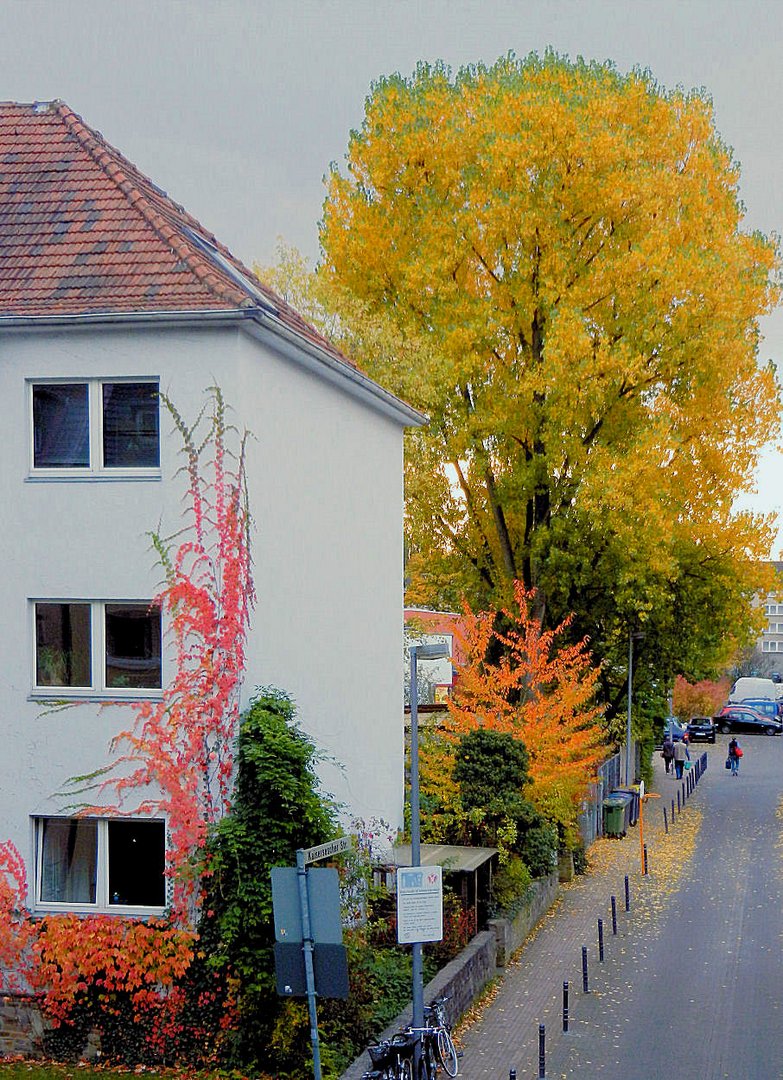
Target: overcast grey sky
{"x":237,"y":107}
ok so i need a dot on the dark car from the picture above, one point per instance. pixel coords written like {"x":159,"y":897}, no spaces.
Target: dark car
{"x":743,"y":718}
{"x":701,"y":729}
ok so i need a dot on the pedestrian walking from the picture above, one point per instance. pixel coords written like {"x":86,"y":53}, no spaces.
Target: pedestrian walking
{"x":667,"y":752}
{"x":735,"y":753}
{"x":681,"y":755}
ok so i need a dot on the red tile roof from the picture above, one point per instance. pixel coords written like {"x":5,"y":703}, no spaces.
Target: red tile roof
{"x":83,"y":231}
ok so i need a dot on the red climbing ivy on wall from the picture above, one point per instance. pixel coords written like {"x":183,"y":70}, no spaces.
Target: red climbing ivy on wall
{"x":181,"y":745}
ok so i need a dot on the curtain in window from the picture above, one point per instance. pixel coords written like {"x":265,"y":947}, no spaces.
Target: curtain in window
{"x":68,"y":860}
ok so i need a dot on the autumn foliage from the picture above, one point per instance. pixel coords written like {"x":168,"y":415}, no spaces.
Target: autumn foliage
{"x":703,"y":698}
{"x":523,"y":680}
{"x":180,"y":749}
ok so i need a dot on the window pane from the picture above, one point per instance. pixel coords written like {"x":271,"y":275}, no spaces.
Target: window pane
{"x":60,"y":426}
{"x":130,"y":425}
{"x":137,"y":858}
{"x":132,"y":646}
{"x":68,"y":860}
{"x":62,"y":645}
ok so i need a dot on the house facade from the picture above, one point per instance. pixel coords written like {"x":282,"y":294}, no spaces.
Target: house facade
{"x":110,"y":293}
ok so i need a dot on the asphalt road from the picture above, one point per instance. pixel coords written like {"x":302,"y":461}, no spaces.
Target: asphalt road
{"x":696,"y":990}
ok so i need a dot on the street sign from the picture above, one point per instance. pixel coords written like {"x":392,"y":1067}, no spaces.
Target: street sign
{"x":327,"y":850}
{"x":419,"y":904}
{"x":323,"y":895}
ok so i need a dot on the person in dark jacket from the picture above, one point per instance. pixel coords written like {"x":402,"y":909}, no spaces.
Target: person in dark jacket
{"x":734,"y":756}
{"x":667,"y":752}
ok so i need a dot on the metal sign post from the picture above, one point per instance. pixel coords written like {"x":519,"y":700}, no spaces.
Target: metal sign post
{"x":307,"y":944}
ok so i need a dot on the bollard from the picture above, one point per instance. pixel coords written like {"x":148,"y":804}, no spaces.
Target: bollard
{"x":565,"y":1006}
{"x":672,"y":811}
{"x":646,"y":871}
{"x":601,"y":940}
{"x":614,"y":915}
{"x":665,"y":821}
{"x":679,"y":810}
{"x":512,"y":1074}
{"x":627,"y":894}
{"x":541,"y":1052}
{"x":585,"y":981}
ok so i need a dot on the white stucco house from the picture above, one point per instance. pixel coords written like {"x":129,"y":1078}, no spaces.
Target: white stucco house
{"x":109,"y":292}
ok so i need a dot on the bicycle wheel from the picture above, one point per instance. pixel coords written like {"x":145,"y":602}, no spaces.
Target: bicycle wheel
{"x":406,"y":1069}
{"x":447,"y":1053}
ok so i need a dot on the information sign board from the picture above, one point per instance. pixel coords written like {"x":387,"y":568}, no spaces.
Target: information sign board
{"x":419,"y":904}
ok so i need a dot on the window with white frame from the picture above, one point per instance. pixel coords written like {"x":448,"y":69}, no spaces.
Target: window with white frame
{"x":100,"y":863}
{"x":95,"y":426}
{"x":97,"y":646}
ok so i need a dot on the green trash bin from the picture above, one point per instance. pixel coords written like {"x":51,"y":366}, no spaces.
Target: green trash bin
{"x":615,"y":816}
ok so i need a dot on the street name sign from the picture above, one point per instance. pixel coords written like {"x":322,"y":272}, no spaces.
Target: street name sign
{"x":419,"y":904}
{"x":327,"y":850}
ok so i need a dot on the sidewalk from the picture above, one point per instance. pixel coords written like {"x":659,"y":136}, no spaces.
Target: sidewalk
{"x":506,"y":1034}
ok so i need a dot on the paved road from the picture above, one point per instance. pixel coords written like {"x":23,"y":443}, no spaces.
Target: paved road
{"x":692,"y":986}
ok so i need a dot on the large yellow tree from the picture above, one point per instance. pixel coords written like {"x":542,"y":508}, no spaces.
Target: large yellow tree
{"x":558,"y":251}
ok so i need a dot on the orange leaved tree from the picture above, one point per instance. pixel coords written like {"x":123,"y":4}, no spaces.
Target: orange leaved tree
{"x":519,"y":679}
{"x":698,"y":699}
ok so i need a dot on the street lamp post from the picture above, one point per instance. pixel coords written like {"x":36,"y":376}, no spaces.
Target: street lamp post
{"x":638,"y":636}
{"x":418,"y":652}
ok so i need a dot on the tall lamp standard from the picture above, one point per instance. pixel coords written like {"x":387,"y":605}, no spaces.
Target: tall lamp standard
{"x":632,"y":635}
{"x":418,"y":652}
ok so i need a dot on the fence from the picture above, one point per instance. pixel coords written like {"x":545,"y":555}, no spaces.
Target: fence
{"x":591,"y":823}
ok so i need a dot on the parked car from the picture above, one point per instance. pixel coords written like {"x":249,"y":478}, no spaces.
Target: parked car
{"x":701,"y":729}
{"x":743,"y":718}
{"x":671,"y":727}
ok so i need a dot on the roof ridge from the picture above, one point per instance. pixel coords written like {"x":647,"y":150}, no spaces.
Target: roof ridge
{"x":106,"y":158}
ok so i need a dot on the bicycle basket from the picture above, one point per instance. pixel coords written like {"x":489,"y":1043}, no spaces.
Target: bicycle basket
{"x":380,"y":1054}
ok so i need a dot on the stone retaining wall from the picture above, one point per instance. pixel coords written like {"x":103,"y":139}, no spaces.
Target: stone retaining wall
{"x":511,"y":933}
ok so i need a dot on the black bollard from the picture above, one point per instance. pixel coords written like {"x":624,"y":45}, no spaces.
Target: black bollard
{"x":614,"y":915}
{"x":601,"y":940}
{"x":627,"y":894}
{"x":565,"y":1006}
{"x":646,"y":871}
{"x":585,"y":981}
{"x":541,"y":1052}
{"x":672,"y":811}
{"x":665,"y":820}
{"x":512,"y":1074}
{"x":679,"y":810}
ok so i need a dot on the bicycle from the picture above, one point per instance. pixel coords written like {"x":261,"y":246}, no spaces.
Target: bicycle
{"x":437,"y":1047}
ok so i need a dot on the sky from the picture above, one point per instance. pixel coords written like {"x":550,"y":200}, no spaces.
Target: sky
{"x":238,"y":107}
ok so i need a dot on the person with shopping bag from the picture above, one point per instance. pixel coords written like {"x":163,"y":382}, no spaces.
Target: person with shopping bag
{"x":735,"y":753}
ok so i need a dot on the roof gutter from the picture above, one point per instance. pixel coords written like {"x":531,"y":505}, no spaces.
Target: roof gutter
{"x":125,"y":318}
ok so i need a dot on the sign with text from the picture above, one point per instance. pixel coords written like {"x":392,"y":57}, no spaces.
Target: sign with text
{"x":419,"y":904}
{"x":328,"y":850}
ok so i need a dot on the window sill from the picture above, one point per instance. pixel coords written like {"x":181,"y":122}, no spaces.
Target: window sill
{"x":81,"y":476}
{"x":42,"y":911}
{"x":66,"y":696}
